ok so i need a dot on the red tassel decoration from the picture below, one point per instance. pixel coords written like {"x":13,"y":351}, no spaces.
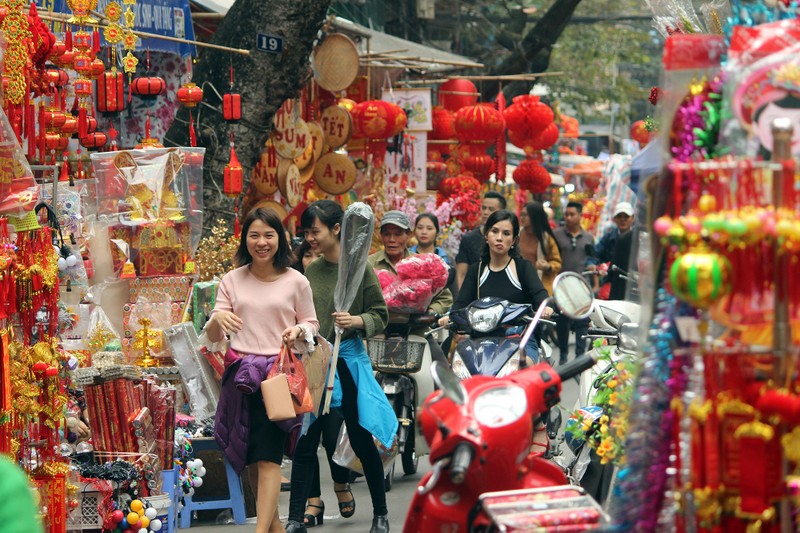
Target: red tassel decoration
{"x":64,"y":175}
{"x":30,"y":124}
{"x":192,"y":134}
{"x":42,"y":132}
{"x":83,"y":126}
{"x":68,"y":38}
{"x":95,"y":42}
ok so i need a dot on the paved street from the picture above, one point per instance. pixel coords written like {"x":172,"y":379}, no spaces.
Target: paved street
{"x":398,"y":499}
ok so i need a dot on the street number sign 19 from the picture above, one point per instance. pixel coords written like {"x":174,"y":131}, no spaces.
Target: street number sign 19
{"x":271,"y":44}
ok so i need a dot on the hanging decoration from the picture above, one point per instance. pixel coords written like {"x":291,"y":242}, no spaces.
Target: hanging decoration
{"x":457,"y":93}
{"x":377,"y":120}
{"x":500,"y":148}
{"x":233,"y":175}
{"x":528,"y":120}
{"x":477,"y":126}
{"x":232,"y":104}
{"x":190,"y":95}
{"x":442,"y":135}
{"x":532,"y":176}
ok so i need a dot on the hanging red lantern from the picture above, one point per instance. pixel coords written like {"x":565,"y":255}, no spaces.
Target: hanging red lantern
{"x":59,"y":47}
{"x":82,"y":63}
{"x":97,"y":68}
{"x":456,"y":184}
{"x":148,"y":86}
{"x":527,"y":118}
{"x":83,"y":87}
{"x":443,"y":130}
{"x":480,"y":123}
{"x":232,"y":107}
{"x":547,"y":138}
{"x":94,"y":141}
{"x":377,"y":121}
{"x":110,"y":92}
{"x":233,"y":176}
{"x":532,"y":176}
{"x":56,"y":76}
{"x":91,"y":124}
{"x":190,"y":94}
{"x":639,"y":132}
{"x":65,"y":59}
{"x":52,"y":141}
{"x":481,"y":166}
{"x":70,"y":126}
{"x":54,"y":118}
{"x":457,"y":93}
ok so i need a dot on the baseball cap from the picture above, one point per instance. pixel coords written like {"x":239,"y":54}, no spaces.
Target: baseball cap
{"x":623,"y":207}
{"x":396,"y":218}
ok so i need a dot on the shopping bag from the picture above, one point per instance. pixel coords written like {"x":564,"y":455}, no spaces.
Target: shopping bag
{"x":289,"y":366}
{"x":346,"y":457}
{"x":277,"y":398}
{"x":316,"y":365}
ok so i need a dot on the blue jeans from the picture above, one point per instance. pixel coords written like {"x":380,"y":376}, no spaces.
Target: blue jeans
{"x":532,"y":348}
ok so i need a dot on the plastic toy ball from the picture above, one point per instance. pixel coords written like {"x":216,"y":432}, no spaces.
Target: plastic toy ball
{"x":155,"y":525}
{"x":136,"y":506}
{"x":144,"y":522}
{"x":198,"y":463}
{"x":117,"y":516}
{"x":133,"y":518}
{"x":197,"y":481}
{"x":151,"y":513}
{"x":124,"y":523}
{"x":143,"y":530}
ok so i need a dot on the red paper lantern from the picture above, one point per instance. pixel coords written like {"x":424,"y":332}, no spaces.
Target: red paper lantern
{"x":376,"y":119}
{"x":59,"y":47}
{"x":480,"y":123}
{"x":527,"y":118}
{"x":457,"y":93}
{"x":54,"y":118}
{"x":190,"y":94}
{"x":111,"y":92}
{"x":443,"y":130}
{"x":70,"y":126}
{"x":547,"y":138}
{"x":148,"y":86}
{"x":456,"y":184}
{"x":82,"y":63}
{"x":52,"y":141}
{"x":97,"y":68}
{"x":58,"y":77}
{"x":481,"y":166}
{"x":91,"y":124}
{"x":94,"y":141}
{"x":233,"y":177}
{"x":532,"y":176}
{"x":65,"y":59}
{"x":232,"y":107}
{"x":639,"y":132}
{"x":83,"y":87}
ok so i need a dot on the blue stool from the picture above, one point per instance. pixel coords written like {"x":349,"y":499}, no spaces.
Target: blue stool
{"x":234,"y":501}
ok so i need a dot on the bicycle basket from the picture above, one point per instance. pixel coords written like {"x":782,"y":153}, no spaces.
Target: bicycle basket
{"x":398,"y":356}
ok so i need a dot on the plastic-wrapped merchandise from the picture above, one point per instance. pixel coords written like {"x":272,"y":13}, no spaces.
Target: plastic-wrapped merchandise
{"x":346,"y":457}
{"x":424,"y":266}
{"x":385,"y":278}
{"x":409,"y":296}
{"x":19,"y":192}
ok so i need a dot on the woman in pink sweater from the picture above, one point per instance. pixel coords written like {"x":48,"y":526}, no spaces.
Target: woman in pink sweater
{"x":260,"y":306}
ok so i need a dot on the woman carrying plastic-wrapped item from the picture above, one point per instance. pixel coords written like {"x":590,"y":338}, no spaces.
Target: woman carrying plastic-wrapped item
{"x":364,"y":406}
{"x":260,"y":306}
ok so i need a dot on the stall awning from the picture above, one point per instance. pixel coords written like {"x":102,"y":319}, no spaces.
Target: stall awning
{"x":171,"y":18}
{"x":385,"y":51}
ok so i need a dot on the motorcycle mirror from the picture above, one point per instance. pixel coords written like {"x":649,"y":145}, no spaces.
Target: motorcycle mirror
{"x":572,"y":295}
{"x":448,"y":382}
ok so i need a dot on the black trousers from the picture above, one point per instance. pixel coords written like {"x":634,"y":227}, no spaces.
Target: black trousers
{"x":363,"y":445}
{"x":563,"y":326}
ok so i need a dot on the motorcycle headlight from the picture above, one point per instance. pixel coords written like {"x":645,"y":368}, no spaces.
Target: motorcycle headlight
{"x":485,"y":320}
{"x":511,"y":366}
{"x":459,"y":368}
{"x":500,"y":406}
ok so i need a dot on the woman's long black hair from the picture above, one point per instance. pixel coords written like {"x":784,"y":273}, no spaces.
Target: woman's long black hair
{"x":541,"y":225}
{"x":326,"y":211}
{"x":494,"y":218}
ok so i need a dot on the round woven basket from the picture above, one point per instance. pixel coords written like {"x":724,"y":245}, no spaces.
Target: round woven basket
{"x":336,"y":62}
{"x":275,"y":206}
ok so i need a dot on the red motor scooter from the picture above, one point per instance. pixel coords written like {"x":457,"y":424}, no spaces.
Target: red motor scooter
{"x":485,"y":475}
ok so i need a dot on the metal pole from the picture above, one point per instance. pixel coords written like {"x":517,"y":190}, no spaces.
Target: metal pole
{"x":782,"y":131}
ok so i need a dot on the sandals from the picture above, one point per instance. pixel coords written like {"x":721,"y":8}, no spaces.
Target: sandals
{"x":344,"y":505}
{"x":311,"y":520}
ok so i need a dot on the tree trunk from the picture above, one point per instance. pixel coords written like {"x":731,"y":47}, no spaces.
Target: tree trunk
{"x":264,"y":81}
{"x":533,"y":53}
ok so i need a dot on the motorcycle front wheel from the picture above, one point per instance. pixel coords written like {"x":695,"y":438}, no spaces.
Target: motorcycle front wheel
{"x":388,"y":481}
{"x":409,"y":455}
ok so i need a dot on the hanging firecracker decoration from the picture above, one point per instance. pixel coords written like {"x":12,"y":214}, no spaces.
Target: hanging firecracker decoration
{"x":110,"y":92}
{"x":233,"y":176}
{"x":457,"y":93}
{"x":190,"y":95}
{"x":377,"y":120}
{"x":532,"y":176}
{"x":94,"y":141}
{"x":232,"y":104}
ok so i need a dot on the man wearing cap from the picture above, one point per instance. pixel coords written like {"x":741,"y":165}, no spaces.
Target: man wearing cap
{"x":395,"y":232}
{"x":604,"y":251}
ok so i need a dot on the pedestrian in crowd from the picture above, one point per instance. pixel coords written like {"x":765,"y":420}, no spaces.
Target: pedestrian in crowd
{"x":395,"y":232}
{"x":502,"y":273}
{"x":471,"y":247}
{"x":537,"y":243}
{"x":365,"y":409}
{"x":426,"y":230}
{"x":260,"y":306}
{"x":304,"y":255}
{"x":624,"y":220}
{"x":576,"y":246}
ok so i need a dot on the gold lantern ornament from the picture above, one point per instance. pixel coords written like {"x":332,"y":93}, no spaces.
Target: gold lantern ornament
{"x":700,"y":277}
{"x":81,"y":11}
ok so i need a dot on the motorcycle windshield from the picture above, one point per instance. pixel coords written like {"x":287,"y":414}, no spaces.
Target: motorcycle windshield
{"x":486,"y":356}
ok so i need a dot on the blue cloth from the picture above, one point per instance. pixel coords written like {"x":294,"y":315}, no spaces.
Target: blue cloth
{"x":438,"y":250}
{"x":375,"y":413}
{"x":532,"y":348}
{"x":604,"y":249}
